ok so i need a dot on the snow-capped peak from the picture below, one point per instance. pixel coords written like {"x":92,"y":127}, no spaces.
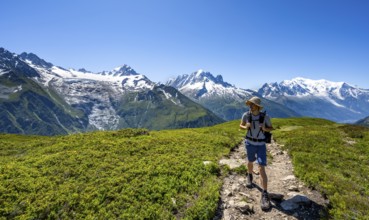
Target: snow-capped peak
{"x":198,"y":72}
{"x":203,"y":84}
{"x":315,"y":86}
{"x":35,"y":60}
{"x":336,"y":101}
{"x":302,"y":87}
{"x":124,"y":70}
{"x":83,"y":70}
{"x":196,"y":78}
{"x":122,"y":78}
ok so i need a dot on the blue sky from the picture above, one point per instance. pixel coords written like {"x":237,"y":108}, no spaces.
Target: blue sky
{"x":248,"y":42}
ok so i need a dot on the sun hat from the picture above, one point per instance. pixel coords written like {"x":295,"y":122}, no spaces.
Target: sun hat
{"x":254,"y":100}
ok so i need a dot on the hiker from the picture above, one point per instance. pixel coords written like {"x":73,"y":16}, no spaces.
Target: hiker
{"x":257,"y":123}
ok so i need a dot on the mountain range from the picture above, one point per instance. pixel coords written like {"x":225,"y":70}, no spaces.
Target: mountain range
{"x":363,"y":122}
{"x":224,"y":99}
{"x":37,"y":97}
{"x":336,"y":101}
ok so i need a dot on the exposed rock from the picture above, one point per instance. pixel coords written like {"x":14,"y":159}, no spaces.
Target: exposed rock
{"x":293,"y":188}
{"x":244,"y":207}
{"x":228,"y":215}
{"x":232,"y":163}
{"x":239,"y":202}
{"x":289,"y":177}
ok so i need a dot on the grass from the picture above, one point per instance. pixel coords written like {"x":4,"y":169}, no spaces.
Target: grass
{"x":332,"y":158}
{"x":125,"y":174}
{"x":142,"y":174}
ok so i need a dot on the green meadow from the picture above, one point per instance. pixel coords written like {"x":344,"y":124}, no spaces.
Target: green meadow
{"x":332,"y":158}
{"x":125,"y":174}
{"x":142,"y":174}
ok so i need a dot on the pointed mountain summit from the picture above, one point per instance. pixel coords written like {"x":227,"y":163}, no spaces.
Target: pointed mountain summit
{"x":197,"y":80}
{"x":124,"y":70}
{"x":224,"y":99}
{"x":34,"y":59}
{"x":26,"y":107}
{"x":200,"y":84}
{"x":337,"y":101}
{"x":37,"y":97}
{"x":303,"y":87}
{"x":10,"y":62}
{"x":83,"y":70}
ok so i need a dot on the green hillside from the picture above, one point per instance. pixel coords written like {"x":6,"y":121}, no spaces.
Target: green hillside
{"x":152,"y":109}
{"x":332,"y":158}
{"x":28,"y":108}
{"x":126,"y":174}
{"x":141,"y":174}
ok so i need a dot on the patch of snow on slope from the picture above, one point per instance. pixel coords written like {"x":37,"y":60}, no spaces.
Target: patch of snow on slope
{"x":334,"y":102}
{"x":103,"y":117}
{"x":314,"y":87}
{"x":2,"y":72}
{"x":170,"y":97}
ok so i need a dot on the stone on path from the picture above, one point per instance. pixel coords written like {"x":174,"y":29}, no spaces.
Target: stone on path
{"x":232,"y":163}
{"x":245,"y":207}
{"x":238,"y":202}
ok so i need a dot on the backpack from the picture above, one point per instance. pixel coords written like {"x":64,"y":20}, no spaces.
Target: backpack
{"x":267,"y":134}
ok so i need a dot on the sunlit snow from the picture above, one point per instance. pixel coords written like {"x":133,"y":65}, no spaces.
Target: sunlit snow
{"x":92,"y":91}
{"x":2,"y":72}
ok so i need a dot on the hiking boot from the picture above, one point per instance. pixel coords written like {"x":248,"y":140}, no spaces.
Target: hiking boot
{"x":265,"y":201}
{"x":249,"y":180}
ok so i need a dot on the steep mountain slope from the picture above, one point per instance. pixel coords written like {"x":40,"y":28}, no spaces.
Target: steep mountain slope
{"x":363,"y":122}
{"x":337,"y":101}
{"x":97,"y":95}
{"x":163,"y":107}
{"x":26,"y":108}
{"x":102,"y":100}
{"x":224,"y":99}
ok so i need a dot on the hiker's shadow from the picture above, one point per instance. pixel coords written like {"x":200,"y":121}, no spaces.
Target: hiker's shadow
{"x":299,"y":206}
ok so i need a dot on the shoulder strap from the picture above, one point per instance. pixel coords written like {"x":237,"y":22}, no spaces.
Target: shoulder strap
{"x":249,"y":120}
{"x":249,"y":117}
{"x":262,"y":117}
{"x":261,"y":121}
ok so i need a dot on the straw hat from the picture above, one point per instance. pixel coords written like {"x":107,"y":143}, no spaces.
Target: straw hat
{"x":254,"y":100}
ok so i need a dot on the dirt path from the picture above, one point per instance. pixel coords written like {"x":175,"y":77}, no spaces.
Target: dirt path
{"x":239,"y":202}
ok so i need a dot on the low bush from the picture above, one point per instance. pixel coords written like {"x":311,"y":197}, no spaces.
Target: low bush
{"x":125,"y":174}
{"x":332,"y":158}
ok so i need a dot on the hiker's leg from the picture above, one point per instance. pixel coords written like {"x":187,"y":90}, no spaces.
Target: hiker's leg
{"x":251,"y":156}
{"x":265,"y":199}
{"x":250,"y":167}
{"x":262,"y":160}
{"x":263,"y":178}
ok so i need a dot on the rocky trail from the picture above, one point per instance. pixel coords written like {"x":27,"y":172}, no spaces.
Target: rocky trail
{"x":290,"y":198}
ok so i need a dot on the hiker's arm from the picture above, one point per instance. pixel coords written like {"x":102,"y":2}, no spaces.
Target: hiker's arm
{"x":244,"y":125}
{"x":267,"y":129}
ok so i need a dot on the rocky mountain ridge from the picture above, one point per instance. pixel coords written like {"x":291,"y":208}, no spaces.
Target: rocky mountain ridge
{"x":98,"y":100}
{"x":336,"y":101}
{"x":363,"y":122}
{"x":224,"y":99}
{"x":107,"y":100}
